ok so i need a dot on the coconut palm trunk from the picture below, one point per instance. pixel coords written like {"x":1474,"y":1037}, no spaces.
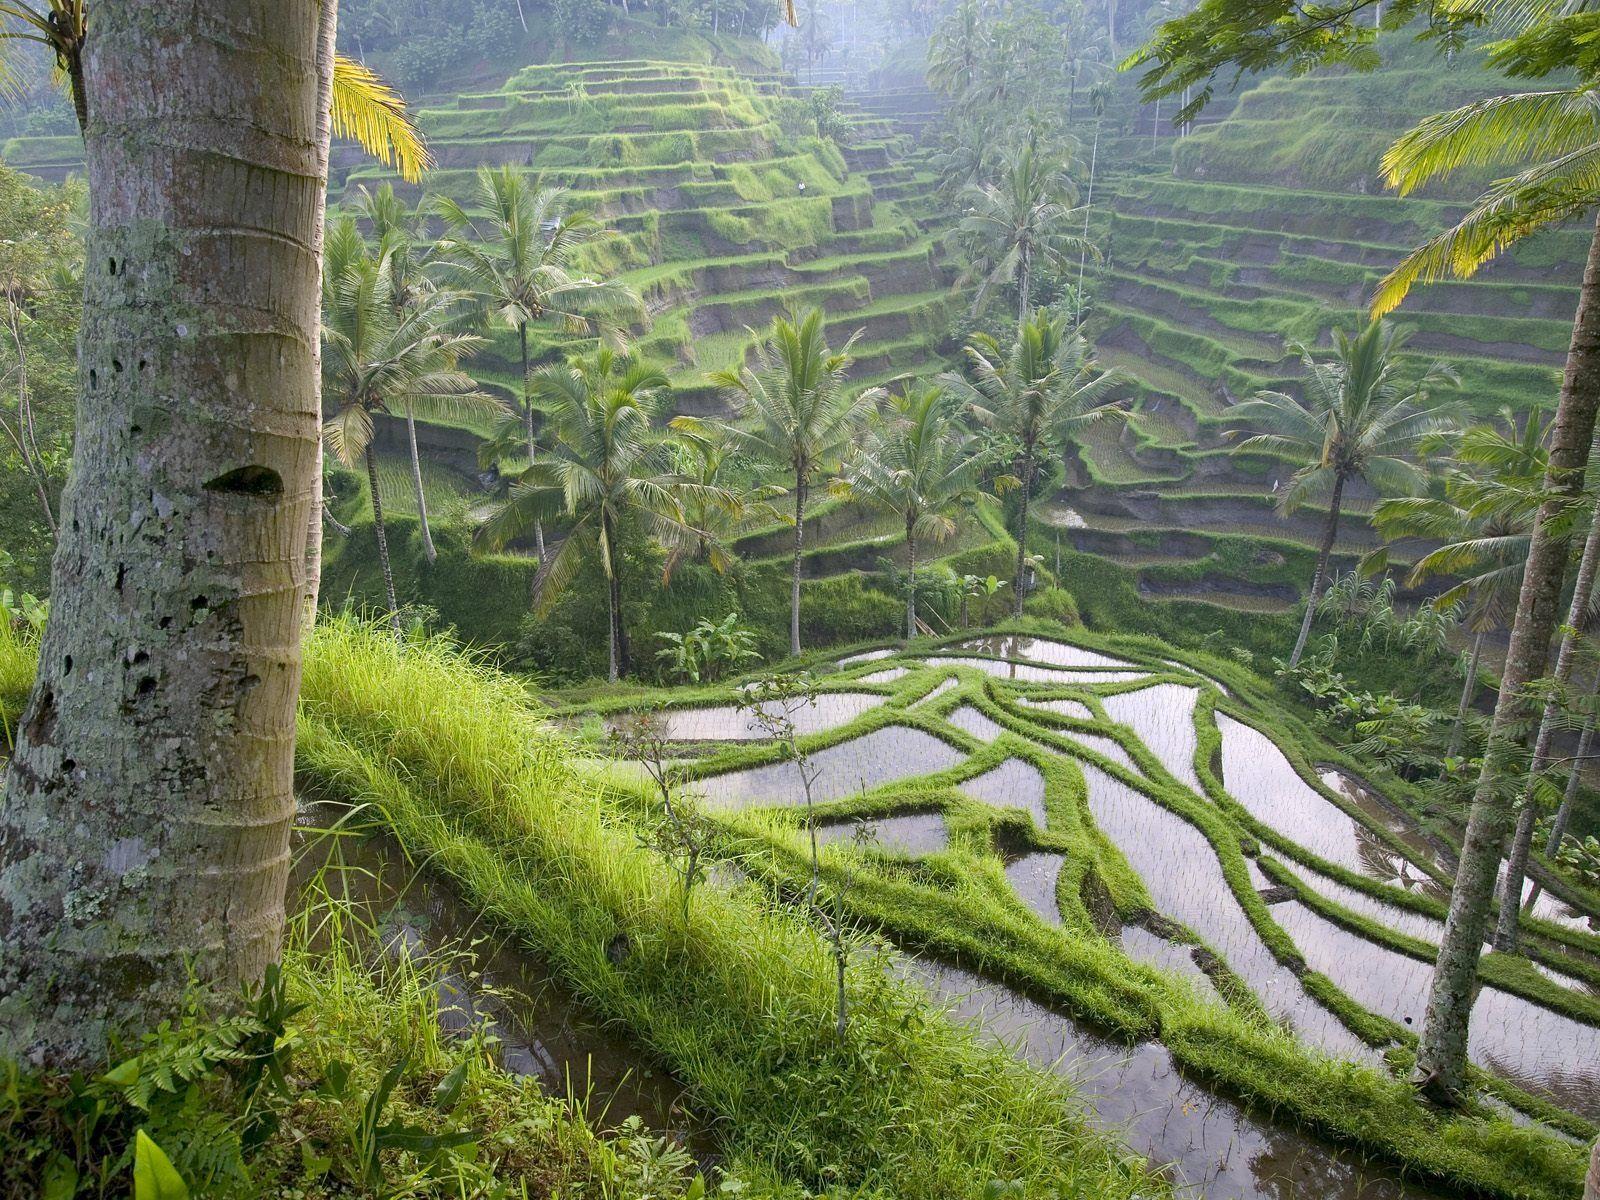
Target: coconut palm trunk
{"x":1319,"y":580}
{"x":1558,"y":826}
{"x":620,"y":656}
{"x":327,"y":37}
{"x":1591,"y":1182}
{"x":1018,"y":589}
{"x":382,"y":533}
{"x":1468,"y":687}
{"x":144,"y":830}
{"x":911,"y":580}
{"x":416,"y":486}
{"x":1441,"y":1057}
{"x":800,"y":490}
{"x":1505,"y":936}
{"x":527,"y":412}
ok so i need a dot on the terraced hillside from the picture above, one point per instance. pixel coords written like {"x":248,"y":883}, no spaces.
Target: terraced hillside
{"x":723,"y":211}
{"x":1216,"y":258}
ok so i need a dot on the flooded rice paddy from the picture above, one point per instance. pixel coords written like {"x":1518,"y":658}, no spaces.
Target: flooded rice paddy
{"x":731,"y":722}
{"x":857,"y":765}
{"x":1215,"y":1146}
{"x":1013,"y":784}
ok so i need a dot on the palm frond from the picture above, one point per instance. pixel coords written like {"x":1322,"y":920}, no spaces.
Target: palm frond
{"x":367,"y":110}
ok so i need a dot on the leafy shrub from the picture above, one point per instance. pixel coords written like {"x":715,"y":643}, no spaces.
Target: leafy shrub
{"x":1053,"y":604}
{"x":708,"y":651}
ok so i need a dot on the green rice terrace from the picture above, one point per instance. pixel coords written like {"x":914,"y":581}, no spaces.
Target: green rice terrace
{"x":1140,"y":874}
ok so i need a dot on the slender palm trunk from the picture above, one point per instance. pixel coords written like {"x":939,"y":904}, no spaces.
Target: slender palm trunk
{"x":1441,"y":1057}
{"x":527,"y":412}
{"x":911,"y":585}
{"x":1591,"y":1182}
{"x":1558,"y":827}
{"x":1019,"y":587}
{"x":144,"y":829}
{"x":416,"y":486}
{"x":799,"y":549}
{"x":382,"y":533}
{"x":327,"y":37}
{"x":1083,"y":251}
{"x":1319,"y":580}
{"x":23,"y":437}
{"x":1468,"y":687}
{"x":617,"y":634}
{"x":1024,"y":285}
{"x":1505,"y":935}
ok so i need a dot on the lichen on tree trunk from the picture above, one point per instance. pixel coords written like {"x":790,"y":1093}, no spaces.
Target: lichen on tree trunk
{"x":144,"y":830}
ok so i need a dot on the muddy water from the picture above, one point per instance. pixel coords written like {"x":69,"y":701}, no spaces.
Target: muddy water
{"x":1067,"y":708}
{"x":1257,"y":775}
{"x":913,"y":834}
{"x":1163,"y":719}
{"x":544,"y":1031}
{"x":884,"y":676}
{"x":1013,"y":784}
{"x":1402,"y":920}
{"x":729,"y":722}
{"x":1542,"y":1051}
{"x":1181,"y":872}
{"x":970,"y":720}
{"x":844,"y":770}
{"x":1033,"y":673}
{"x":1039,"y":650}
{"x":1213,"y":1147}
{"x":947,"y":685}
{"x":1033,"y":878}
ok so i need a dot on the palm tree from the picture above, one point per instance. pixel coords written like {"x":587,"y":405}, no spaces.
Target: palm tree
{"x":1039,"y":396}
{"x":412,"y":258}
{"x":954,"y":50}
{"x":917,"y":464}
{"x":515,"y":250}
{"x":607,"y":468}
{"x":376,"y":358}
{"x":1482,"y":520}
{"x":1356,"y":421}
{"x":1557,"y":134}
{"x":1016,"y":224}
{"x":796,"y":411}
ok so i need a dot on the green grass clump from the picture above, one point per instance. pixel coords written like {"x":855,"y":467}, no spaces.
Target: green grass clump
{"x":737,"y":1001}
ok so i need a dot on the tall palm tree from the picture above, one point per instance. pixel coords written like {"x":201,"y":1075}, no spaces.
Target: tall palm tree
{"x":607,"y":469}
{"x":1555,"y":136}
{"x":1039,"y":395}
{"x":1483,"y":520}
{"x":412,"y":260}
{"x":1017,"y":223}
{"x":795,"y":410}
{"x":1357,"y":420}
{"x":515,"y":249}
{"x":917,"y":462}
{"x":377,"y":359}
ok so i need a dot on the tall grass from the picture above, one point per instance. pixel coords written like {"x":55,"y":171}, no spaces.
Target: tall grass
{"x":19,"y":658}
{"x":736,"y":1000}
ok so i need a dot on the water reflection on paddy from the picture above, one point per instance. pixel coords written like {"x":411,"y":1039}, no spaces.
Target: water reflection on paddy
{"x":912,"y":834}
{"x":1256,"y":773}
{"x":970,"y":720}
{"x":1163,"y":719}
{"x":854,"y":766}
{"x":1215,"y":1149}
{"x":1013,"y":784}
{"x":1033,"y":878}
{"x":729,"y":722}
{"x":1184,"y":878}
{"x":1067,"y":708}
{"x":1541,"y":1051}
{"x":1031,"y":673}
{"x":1039,"y":650}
